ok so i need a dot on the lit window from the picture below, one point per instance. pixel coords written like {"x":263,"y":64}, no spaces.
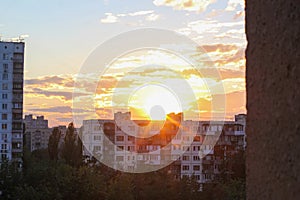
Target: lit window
{"x":185,"y":158}
{"x":196,"y":167}
{"x":4,"y":126}
{"x":120,"y":138}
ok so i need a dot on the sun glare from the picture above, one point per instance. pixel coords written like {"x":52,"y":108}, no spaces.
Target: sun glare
{"x":154,"y":102}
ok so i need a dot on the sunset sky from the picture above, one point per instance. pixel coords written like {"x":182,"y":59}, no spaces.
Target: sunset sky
{"x":61,"y":34}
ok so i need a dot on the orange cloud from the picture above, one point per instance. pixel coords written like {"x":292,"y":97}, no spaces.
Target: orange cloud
{"x":189,"y":5}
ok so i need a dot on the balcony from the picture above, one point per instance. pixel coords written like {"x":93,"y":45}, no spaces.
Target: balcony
{"x":17,"y":110}
{"x":18,"y":70}
{"x":18,"y":58}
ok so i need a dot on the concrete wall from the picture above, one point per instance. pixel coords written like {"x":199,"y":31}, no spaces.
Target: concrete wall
{"x":273,"y":99}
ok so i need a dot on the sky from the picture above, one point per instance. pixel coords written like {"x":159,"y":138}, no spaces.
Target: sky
{"x":60,"y":36}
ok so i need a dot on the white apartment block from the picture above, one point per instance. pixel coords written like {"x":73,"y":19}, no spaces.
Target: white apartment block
{"x":11,"y":95}
{"x":192,"y":146}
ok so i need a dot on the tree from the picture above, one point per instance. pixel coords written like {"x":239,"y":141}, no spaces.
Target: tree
{"x":53,"y":144}
{"x":72,"y":148}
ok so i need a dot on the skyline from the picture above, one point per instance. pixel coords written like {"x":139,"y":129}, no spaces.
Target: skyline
{"x":53,"y":59}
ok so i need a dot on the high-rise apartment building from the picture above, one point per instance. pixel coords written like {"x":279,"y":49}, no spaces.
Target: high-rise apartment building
{"x":11,"y":95}
{"x":36,"y":133}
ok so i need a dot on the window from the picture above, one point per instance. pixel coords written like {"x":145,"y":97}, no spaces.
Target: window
{"x":4,"y":106}
{"x":97,"y":148}
{"x":4,"y":136}
{"x":120,"y":158}
{"x":186,"y":158}
{"x":17,"y":85}
{"x":4,"y":86}
{"x":17,"y":95}
{"x":96,"y":128}
{"x":17,"y":126}
{"x":4,"y":116}
{"x":4,"y":96}
{"x":196,"y":148}
{"x":196,"y":167}
{"x":120,"y":138}
{"x":5,"y":56}
{"x":17,"y":116}
{"x":4,"y":146}
{"x":97,"y":137}
{"x":17,"y":105}
{"x":196,"y":158}
{"x":130,"y":148}
{"x":120,"y":148}
{"x":3,"y":156}
{"x":4,"y":126}
{"x":5,"y":76}
{"x":185,"y":167}
{"x":5,"y":68}
{"x":130,"y":138}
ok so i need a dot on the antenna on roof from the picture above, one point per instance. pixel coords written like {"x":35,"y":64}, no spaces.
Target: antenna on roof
{"x":21,"y":39}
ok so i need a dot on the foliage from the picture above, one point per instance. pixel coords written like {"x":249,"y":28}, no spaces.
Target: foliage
{"x":72,"y":148}
{"x":47,"y":177}
{"x":53,"y":144}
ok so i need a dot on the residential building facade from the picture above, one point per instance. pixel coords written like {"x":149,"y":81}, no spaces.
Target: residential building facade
{"x":11,"y":94}
{"x":191,"y":148}
{"x":37,"y":132}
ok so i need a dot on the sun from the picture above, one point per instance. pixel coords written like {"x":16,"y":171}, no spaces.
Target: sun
{"x":157,"y":113}
{"x":154,"y":101}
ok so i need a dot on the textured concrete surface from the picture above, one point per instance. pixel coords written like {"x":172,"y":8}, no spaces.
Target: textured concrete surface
{"x":273,"y":99}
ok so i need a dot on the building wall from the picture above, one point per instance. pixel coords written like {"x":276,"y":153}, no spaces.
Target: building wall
{"x":122,"y":151}
{"x":273,"y":96}
{"x":11,"y":95}
{"x":37,"y":132}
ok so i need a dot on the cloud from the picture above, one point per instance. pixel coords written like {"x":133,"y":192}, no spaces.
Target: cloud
{"x":234,"y":104}
{"x":148,"y":15}
{"x":189,"y":5}
{"x":66,"y":96}
{"x":224,"y":73}
{"x":239,"y":14}
{"x":109,"y":19}
{"x":219,"y":47}
{"x":152,"y":17}
{"x":139,"y":13}
{"x":46,"y":81}
{"x":57,"y":109}
{"x":234,"y":5}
